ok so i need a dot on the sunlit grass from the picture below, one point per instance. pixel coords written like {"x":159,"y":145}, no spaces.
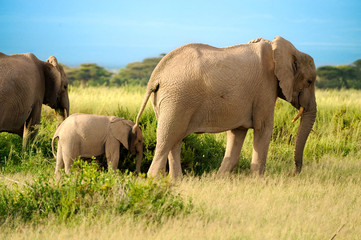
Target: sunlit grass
{"x":336,"y":98}
{"x":105,"y":100}
{"x":313,"y":205}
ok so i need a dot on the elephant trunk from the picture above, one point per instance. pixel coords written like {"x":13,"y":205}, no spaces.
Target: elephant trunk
{"x":138,"y":158}
{"x":307,"y":120}
{"x":64,"y":113}
{"x":63,"y":107}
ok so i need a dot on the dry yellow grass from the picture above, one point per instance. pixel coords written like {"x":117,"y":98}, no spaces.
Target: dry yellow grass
{"x":311,"y":206}
{"x":333,"y":98}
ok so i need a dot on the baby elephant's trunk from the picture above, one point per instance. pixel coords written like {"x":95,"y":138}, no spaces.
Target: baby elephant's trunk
{"x":139,"y":157}
{"x":136,"y":145}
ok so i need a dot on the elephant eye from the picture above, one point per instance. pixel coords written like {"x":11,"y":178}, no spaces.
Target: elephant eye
{"x":309,"y":82}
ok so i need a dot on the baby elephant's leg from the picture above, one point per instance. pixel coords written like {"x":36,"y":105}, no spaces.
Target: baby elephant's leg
{"x":68,"y":162}
{"x":59,"y":162}
{"x":112,"y":148}
{"x":70,"y":152}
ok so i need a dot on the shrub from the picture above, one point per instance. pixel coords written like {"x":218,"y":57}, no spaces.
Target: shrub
{"x":90,"y":192}
{"x":201,"y":153}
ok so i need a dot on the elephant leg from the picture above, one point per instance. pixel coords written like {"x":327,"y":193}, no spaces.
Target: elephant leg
{"x":20,"y":132}
{"x":30,"y":130}
{"x":175,"y":168}
{"x":68,"y":162}
{"x":235,"y":139}
{"x":261,"y":143}
{"x":26,"y":132}
{"x":160,"y":159}
{"x":69,"y":154}
{"x":169,"y":134}
{"x":112,"y":148}
{"x":59,"y":161}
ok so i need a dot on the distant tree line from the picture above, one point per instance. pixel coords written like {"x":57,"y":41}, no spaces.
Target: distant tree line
{"x":138,"y":73}
{"x":343,"y":76}
{"x":90,"y":74}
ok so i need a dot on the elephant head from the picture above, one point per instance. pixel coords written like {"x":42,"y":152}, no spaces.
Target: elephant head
{"x":296,"y":74}
{"x":130,"y":136}
{"x":56,"y":87}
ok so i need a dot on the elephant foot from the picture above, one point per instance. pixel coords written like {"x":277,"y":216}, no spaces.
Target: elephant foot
{"x":223,"y":172}
{"x":227,"y":166}
{"x":257,"y":169}
{"x":57,"y":175}
{"x":176,"y":177}
{"x":154,"y":173}
{"x":296,"y":172}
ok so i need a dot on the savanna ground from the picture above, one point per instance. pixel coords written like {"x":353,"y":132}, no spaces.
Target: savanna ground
{"x":94,"y":204}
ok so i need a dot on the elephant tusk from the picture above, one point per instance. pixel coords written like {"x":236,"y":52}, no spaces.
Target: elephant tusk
{"x":298,"y":114}
{"x":65,"y":113}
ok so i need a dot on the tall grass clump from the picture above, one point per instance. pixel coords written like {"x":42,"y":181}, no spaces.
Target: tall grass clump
{"x":35,"y":158}
{"x":90,"y":193}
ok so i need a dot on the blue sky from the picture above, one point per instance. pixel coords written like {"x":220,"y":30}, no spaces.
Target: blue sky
{"x":114,"y":33}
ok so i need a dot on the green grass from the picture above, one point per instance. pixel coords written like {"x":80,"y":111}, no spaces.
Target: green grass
{"x":93,"y":204}
{"x":88,"y":193}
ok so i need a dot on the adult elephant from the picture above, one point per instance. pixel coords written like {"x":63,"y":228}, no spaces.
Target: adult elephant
{"x":200,"y":88}
{"x":25,"y":84}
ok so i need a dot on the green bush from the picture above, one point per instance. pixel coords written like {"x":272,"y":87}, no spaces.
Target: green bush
{"x":201,"y":153}
{"x":10,"y":147}
{"x":90,"y":192}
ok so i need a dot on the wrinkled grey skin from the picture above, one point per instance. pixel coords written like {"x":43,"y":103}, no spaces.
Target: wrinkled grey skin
{"x":199,"y":88}
{"x":87,"y":135}
{"x":25,"y":84}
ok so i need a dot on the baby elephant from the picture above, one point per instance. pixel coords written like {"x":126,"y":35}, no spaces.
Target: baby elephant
{"x":86,"y":135}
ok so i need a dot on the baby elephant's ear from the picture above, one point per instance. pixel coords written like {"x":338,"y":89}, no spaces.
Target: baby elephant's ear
{"x":120,"y":129}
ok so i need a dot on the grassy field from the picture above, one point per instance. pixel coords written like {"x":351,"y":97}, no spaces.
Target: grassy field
{"x":93,"y":204}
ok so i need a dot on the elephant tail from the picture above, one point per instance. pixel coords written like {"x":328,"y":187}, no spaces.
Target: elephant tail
{"x":52,"y":145}
{"x":56,"y":135}
{"x":150,"y":89}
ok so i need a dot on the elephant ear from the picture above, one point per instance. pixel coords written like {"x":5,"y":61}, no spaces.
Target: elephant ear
{"x":284,"y":57}
{"x":120,"y":129}
{"x":53,"y":78}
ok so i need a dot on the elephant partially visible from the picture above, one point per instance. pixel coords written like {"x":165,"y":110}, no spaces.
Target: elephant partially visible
{"x":87,"y":135}
{"x":25,"y":84}
{"x":199,"y":88}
